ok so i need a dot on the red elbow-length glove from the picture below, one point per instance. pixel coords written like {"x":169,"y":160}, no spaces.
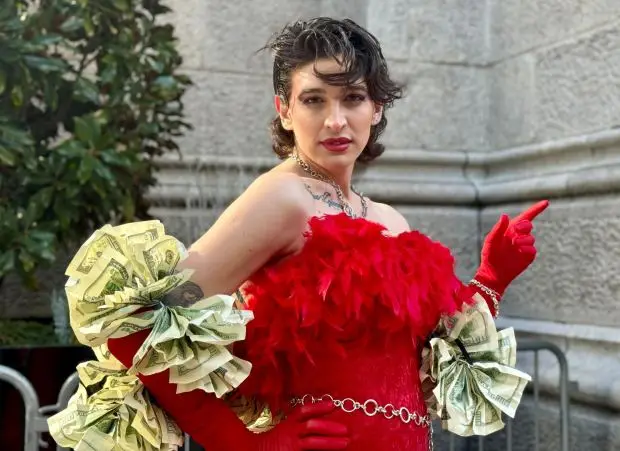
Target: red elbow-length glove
{"x":213,"y":425}
{"x":508,"y":249}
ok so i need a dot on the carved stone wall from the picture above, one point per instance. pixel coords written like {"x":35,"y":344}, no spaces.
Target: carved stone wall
{"x":509,"y":101}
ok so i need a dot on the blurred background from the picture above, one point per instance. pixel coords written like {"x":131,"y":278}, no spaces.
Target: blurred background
{"x":114,"y":110}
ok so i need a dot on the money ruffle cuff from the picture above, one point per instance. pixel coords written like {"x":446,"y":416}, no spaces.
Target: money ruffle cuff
{"x":468,"y":372}
{"x":107,"y":405}
{"x":116,"y":282}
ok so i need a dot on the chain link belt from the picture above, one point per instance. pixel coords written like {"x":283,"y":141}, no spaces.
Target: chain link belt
{"x":370,"y":407}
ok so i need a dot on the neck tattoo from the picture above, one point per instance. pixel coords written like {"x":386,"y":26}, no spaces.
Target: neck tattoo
{"x":343,"y":204}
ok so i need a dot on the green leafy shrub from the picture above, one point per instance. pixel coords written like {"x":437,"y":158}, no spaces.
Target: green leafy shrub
{"x":90,"y":95}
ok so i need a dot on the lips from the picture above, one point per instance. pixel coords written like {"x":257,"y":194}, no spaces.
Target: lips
{"x":336,"y":144}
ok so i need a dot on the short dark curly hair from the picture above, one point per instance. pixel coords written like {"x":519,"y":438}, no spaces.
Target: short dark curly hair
{"x":359,"y":52}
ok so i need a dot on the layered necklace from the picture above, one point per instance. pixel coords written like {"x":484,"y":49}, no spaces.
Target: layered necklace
{"x":344,"y":205}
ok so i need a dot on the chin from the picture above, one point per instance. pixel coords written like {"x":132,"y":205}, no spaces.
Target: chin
{"x":347,"y":157}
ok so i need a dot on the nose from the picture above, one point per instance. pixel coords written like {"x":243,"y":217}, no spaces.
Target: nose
{"x":336,"y":119}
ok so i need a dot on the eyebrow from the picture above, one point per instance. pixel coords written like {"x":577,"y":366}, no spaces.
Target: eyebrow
{"x":312,"y":91}
{"x":322,"y":91}
{"x":357,"y":88}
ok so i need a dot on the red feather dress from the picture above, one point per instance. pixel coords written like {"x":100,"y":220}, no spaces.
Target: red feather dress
{"x":344,"y":319}
{"x":347,"y":317}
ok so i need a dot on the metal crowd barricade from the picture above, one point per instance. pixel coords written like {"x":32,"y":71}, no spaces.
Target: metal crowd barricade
{"x":527,"y":346}
{"x":33,"y":425}
{"x":36,"y":416}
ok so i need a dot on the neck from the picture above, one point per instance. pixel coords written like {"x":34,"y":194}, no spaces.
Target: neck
{"x":342,"y":177}
{"x":343,"y":180}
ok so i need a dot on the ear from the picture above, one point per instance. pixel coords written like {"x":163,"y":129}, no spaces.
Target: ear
{"x":283,"y":112}
{"x":378,"y":114}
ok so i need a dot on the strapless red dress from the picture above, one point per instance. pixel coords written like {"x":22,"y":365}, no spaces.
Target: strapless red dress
{"x":347,"y":317}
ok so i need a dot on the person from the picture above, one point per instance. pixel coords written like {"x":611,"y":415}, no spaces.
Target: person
{"x":343,"y":293}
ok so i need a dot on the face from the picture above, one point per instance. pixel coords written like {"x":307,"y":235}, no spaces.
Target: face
{"x":331,"y":123}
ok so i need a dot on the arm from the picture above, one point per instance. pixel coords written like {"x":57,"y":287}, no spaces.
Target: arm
{"x":508,"y":250}
{"x":266,"y":222}
{"x":214,"y":426}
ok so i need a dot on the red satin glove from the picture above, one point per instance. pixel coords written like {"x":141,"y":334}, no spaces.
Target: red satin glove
{"x":508,"y":249}
{"x":214,"y":426}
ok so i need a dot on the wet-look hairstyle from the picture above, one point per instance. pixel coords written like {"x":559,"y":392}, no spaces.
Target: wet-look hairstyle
{"x":356,"y":50}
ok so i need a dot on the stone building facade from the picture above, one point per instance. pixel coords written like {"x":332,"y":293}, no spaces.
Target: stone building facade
{"x":508,"y":102}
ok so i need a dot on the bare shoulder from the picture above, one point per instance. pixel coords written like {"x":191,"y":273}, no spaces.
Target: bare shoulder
{"x":275,"y":203}
{"x":279,"y":180}
{"x":391,"y":218}
{"x":279,"y":190}
{"x":267,"y":220}
{"x":264,"y":223}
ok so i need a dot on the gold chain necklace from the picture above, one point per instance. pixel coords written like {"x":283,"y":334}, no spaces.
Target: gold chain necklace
{"x":346,"y":207}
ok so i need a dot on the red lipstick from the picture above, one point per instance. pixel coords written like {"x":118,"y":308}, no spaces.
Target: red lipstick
{"x":336,"y":144}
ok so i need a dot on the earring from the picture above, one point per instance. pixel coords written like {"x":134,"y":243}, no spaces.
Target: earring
{"x":376,"y":118}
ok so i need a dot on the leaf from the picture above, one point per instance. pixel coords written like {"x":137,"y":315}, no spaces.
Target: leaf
{"x":17,"y":96}
{"x":87,"y":90}
{"x":64,"y":213}
{"x":149,"y":128}
{"x":155,"y":7}
{"x":45,"y":64}
{"x":89,"y":27}
{"x":71,"y":149}
{"x":47,"y":39}
{"x":40,"y":245}
{"x":33,"y":213}
{"x":104,"y":172}
{"x":18,"y":137}
{"x":165,"y":82}
{"x":115,"y":158}
{"x":121,"y":5}
{"x":42,"y":237}
{"x":87,"y":129}
{"x":185,"y":79}
{"x":47,"y":254}
{"x":50,"y":90}
{"x":7,"y":261}
{"x":86,"y":169}
{"x":129,"y":209}
{"x":2,"y":81}
{"x":44,"y":197}
{"x":26,"y":260}
{"x":154,"y":64}
{"x":6,"y":156}
{"x":73,"y":23}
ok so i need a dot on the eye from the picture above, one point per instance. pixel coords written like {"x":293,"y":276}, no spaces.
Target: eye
{"x":312,"y":100}
{"x":356,"y":98}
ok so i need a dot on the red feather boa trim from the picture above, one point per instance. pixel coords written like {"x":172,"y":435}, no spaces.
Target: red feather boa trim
{"x":349,"y":280}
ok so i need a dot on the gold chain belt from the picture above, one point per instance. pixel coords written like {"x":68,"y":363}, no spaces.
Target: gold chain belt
{"x":370,"y":407}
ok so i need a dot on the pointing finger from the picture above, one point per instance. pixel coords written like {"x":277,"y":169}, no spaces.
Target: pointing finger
{"x":533,"y":211}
